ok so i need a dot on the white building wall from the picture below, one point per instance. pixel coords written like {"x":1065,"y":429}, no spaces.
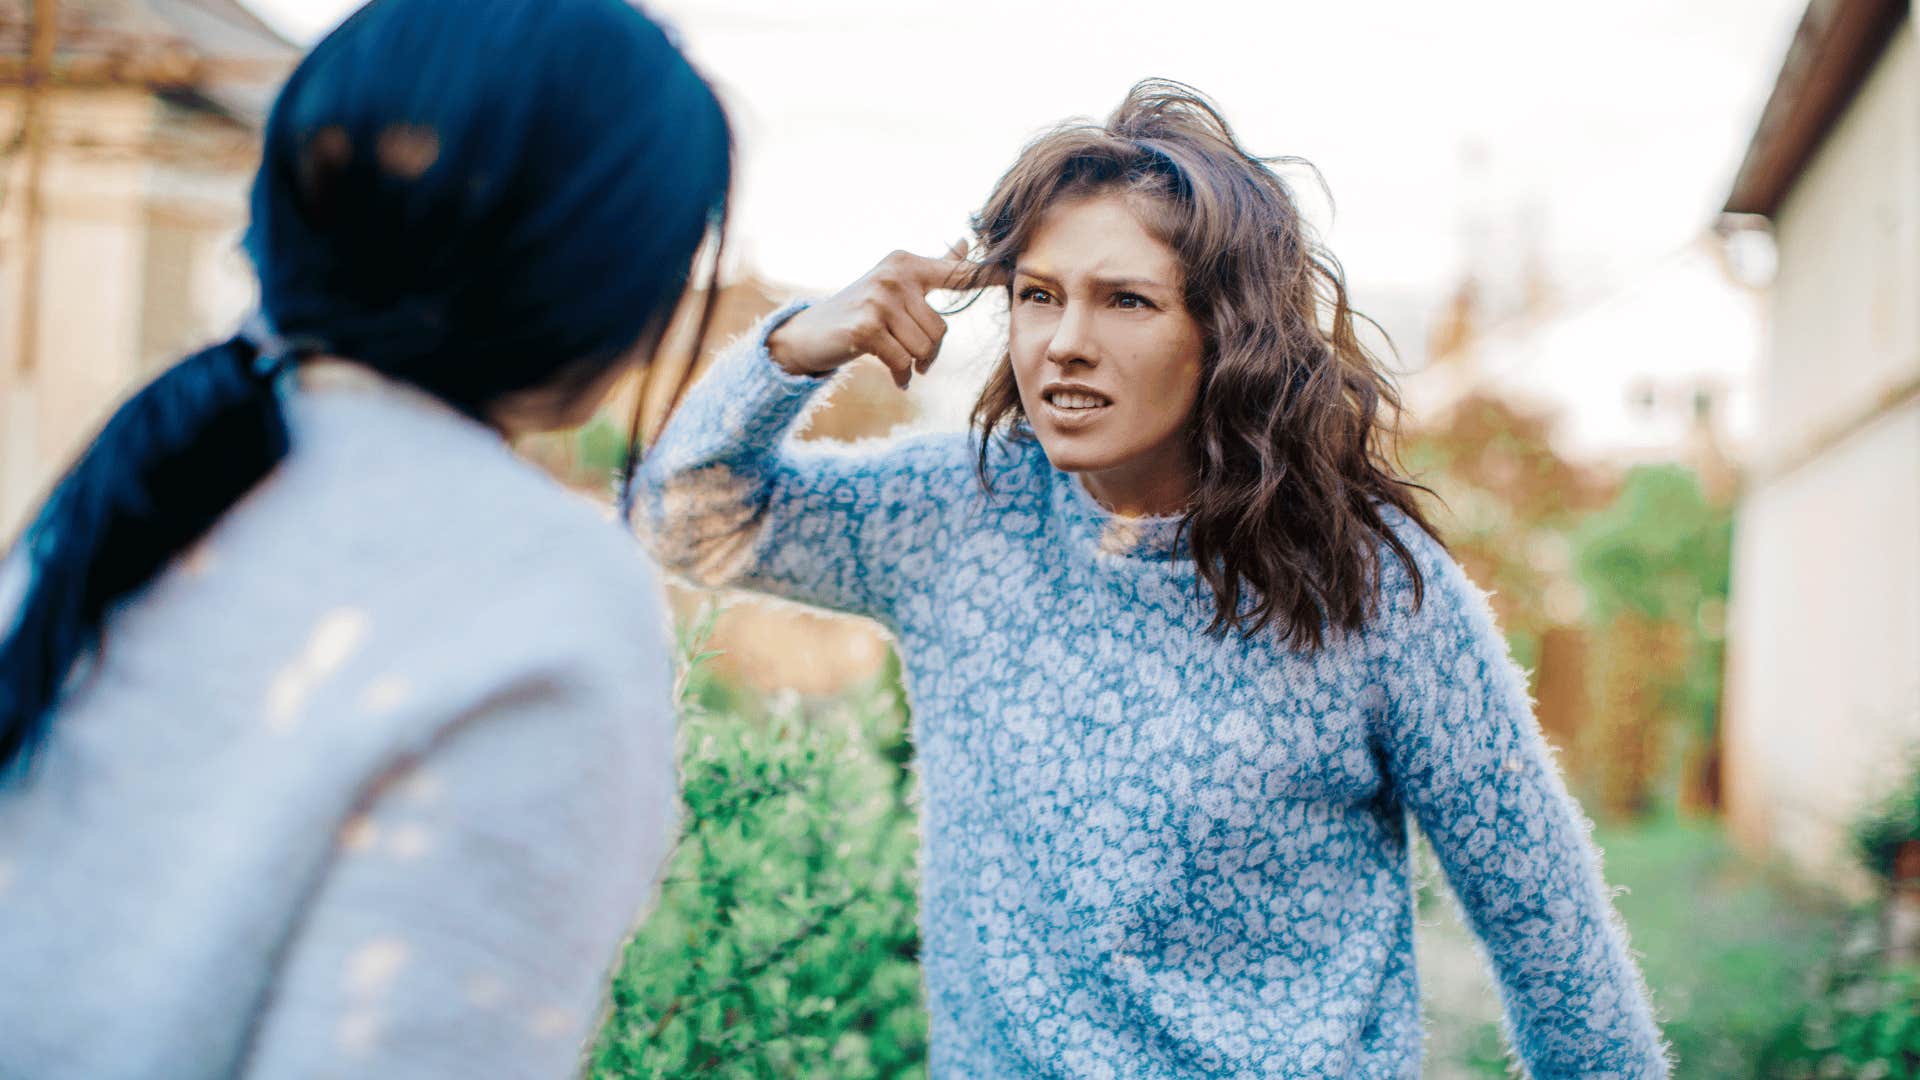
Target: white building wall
{"x":107,"y":182}
{"x":1824,"y":679}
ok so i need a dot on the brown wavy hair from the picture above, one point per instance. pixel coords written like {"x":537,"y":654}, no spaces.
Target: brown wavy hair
{"x":1296,"y":421}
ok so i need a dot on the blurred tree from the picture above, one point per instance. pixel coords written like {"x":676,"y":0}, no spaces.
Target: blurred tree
{"x":1612,"y":595}
{"x":1507,"y":507}
{"x":1656,"y":566}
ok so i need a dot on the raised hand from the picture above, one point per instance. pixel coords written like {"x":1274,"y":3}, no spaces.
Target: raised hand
{"x":884,"y":314}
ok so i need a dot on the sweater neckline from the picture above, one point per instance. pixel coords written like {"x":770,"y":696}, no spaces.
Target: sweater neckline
{"x":1157,"y":538}
{"x":331,"y":376}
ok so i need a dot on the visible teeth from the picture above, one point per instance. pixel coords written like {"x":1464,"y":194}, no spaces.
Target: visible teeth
{"x":1068,"y":399}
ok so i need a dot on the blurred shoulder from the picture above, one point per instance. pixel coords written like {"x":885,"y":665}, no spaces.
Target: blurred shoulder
{"x":572,"y":611}
{"x":569,"y":554}
{"x":439,"y":514}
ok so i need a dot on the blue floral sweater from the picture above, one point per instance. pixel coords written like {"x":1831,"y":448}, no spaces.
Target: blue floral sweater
{"x":1149,"y":852}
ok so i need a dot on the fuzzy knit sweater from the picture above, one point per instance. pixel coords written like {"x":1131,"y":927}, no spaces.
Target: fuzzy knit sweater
{"x":1149,"y":852}
{"x":370,"y":783}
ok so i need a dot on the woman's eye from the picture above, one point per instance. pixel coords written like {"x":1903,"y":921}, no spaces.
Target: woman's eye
{"x":1132,"y":300}
{"x":1035,"y":294}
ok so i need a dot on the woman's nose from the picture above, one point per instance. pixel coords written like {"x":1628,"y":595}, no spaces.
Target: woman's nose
{"x":1073,"y":340}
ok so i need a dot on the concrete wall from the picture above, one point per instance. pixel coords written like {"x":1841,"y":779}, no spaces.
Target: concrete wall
{"x":1824,"y":683}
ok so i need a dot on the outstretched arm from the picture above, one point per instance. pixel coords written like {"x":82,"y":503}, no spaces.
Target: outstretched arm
{"x":729,"y":498}
{"x":1467,"y":757}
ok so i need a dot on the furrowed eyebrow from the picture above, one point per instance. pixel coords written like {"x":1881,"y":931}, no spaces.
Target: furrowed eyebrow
{"x":1129,"y":283}
{"x":1110,"y":284}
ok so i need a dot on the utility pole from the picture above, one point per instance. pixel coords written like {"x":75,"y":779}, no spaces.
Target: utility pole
{"x":33,"y":135}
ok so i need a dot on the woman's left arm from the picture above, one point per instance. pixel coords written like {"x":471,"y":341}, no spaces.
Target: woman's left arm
{"x":1467,"y":757}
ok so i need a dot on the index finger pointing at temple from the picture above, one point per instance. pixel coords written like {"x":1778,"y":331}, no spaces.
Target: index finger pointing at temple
{"x":954,"y":274}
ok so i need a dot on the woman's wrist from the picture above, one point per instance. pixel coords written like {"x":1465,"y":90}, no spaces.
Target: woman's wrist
{"x":777,"y":346}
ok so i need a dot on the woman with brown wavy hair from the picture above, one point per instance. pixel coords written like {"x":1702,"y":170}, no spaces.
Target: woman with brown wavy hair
{"x":1183,"y":650}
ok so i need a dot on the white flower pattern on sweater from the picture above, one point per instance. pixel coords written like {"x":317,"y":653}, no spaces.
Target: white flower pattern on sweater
{"x":1149,"y":852}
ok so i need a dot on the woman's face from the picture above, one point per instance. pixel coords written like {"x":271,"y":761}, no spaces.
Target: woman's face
{"x":1106,"y":356}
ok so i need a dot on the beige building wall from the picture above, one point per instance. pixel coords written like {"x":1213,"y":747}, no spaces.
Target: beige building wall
{"x":142,"y":203}
{"x":1824,"y":682}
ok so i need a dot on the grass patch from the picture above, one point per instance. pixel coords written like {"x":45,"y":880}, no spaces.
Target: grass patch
{"x":1728,"y":945}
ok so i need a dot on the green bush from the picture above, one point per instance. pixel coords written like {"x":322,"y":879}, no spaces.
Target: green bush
{"x":1865,"y":1021}
{"x":785,"y":941}
{"x":1879,"y":835}
{"x":1865,"y":1025}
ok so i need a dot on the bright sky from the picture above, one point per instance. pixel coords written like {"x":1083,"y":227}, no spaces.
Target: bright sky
{"x":1593,"y":137}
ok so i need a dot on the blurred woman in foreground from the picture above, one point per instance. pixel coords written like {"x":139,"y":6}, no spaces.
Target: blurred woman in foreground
{"x":337,"y":739}
{"x":1183,"y":651}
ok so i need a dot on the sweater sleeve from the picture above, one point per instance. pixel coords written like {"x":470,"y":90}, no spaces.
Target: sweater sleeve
{"x":1466,"y":756}
{"x":729,"y":498}
{"x":476,"y":901}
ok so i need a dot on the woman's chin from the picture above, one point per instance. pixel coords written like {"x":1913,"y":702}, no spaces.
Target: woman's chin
{"x":1072,"y":456}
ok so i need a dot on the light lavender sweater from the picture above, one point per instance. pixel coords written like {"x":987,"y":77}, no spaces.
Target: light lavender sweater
{"x":371,"y":783}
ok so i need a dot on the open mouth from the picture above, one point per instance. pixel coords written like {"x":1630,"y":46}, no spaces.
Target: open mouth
{"x":1076,"y":400}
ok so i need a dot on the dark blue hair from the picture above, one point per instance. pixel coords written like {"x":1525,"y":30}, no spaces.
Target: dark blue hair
{"x":476,"y":197}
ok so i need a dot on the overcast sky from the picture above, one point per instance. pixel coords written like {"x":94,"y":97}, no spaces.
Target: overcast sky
{"x":1591,"y":138}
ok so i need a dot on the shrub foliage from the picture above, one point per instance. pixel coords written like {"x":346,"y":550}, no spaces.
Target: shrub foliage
{"x":784,"y":942}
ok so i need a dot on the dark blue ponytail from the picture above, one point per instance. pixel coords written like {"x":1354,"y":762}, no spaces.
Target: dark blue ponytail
{"x":168,"y":463}
{"x":477,"y":197}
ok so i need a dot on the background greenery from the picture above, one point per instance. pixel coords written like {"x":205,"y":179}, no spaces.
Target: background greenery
{"x":784,"y":943}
